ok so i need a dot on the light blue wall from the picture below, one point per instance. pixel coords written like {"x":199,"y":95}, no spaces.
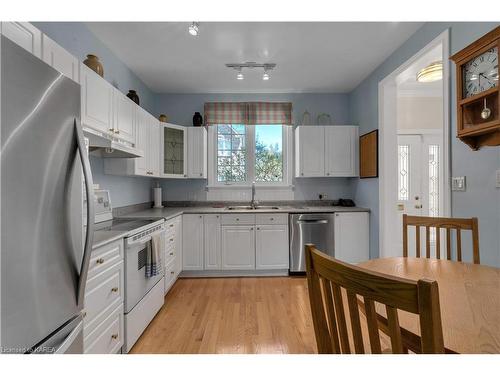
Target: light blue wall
{"x":77,"y":39}
{"x":481,"y":199}
{"x":180,"y":109}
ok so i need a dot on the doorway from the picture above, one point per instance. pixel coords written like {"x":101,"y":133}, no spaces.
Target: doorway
{"x":414,"y":143}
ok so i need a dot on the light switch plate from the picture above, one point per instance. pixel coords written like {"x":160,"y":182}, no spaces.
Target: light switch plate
{"x":458,"y":183}
{"x":498,"y":179}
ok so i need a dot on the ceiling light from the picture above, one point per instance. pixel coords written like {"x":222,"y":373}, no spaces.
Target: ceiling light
{"x":194,"y":29}
{"x":252,"y":65}
{"x":432,"y":72}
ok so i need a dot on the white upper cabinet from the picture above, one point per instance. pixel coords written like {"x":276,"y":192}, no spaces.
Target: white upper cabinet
{"x":124,"y":119}
{"x":154,"y":147}
{"x":147,"y":135}
{"x":24,"y":34}
{"x":60,"y":59}
{"x":310,"y":151}
{"x":352,"y":236}
{"x":173,"y":151}
{"x":192,"y":242}
{"x":271,"y":247}
{"x":196,"y":152}
{"x":97,"y":101}
{"x":326,"y":151}
{"x":238,"y":247}
{"x":341,"y":150}
{"x":213,"y":256}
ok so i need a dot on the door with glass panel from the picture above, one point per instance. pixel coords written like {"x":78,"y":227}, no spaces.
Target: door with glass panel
{"x":420,"y":186}
{"x":173,"y":151}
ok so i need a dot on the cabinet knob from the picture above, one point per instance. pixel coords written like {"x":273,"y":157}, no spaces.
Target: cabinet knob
{"x":111,"y":130}
{"x":251,"y":228}
{"x":237,"y":219}
{"x":117,"y":132}
{"x":114,"y":336}
{"x":171,"y":225}
{"x":171,"y":240}
{"x":172,"y":272}
{"x":171,"y":253}
{"x":217,"y":216}
{"x":271,"y":219}
{"x":258,"y":228}
{"x":201,"y":174}
{"x":302,"y":174}
{"x":185,"y":175}
{"x":100,"y":261}
{"x":84,"y":314}
{"x":328,"y":174}
{"x":201,"y":217}
{"x":115,"y":289}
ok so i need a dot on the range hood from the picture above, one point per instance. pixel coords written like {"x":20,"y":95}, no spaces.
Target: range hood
{"x":108,"y":147}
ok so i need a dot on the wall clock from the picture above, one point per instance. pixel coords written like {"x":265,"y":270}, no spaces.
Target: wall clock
{"x":478,"y":101}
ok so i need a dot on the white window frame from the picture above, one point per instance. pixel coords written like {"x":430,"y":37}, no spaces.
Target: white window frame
{"x":287,"y":144}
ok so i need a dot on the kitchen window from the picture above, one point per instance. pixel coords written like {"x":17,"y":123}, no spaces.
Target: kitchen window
{"x":249,"y":141}
{"x":243,"y":154}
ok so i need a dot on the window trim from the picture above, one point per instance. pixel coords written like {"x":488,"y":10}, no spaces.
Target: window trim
{"x":287,"y":144}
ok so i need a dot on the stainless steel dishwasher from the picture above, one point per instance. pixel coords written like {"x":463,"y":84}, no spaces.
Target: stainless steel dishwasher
{"x":309,"y":228}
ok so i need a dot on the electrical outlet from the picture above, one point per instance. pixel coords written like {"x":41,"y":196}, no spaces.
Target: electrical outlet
{"x":458,"y":183}
{"x":498,"y":179}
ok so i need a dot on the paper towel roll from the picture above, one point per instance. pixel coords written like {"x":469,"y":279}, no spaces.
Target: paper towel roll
{"x":157,"y":197}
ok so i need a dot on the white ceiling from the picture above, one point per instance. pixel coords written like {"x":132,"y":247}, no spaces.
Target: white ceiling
{"x":407,"y":84}
{"x":310,"y":57}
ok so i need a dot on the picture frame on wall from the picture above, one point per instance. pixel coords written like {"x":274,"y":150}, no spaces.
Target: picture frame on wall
{"x":368,"y":155}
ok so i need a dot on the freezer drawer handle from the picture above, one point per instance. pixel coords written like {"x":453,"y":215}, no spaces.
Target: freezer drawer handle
{"x":312,"y":221}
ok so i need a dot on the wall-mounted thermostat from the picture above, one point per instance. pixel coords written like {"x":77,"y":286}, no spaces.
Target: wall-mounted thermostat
{"x":458,"y":183}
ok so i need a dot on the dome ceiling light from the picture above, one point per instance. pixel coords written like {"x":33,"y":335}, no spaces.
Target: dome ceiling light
{"x":432,"y":72}
{"x":267,"y":67}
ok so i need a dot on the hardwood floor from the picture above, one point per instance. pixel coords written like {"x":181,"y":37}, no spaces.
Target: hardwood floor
{"x":232,"y":315}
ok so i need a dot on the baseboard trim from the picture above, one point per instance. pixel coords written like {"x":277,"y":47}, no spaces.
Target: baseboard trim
{"x":233,"y":273}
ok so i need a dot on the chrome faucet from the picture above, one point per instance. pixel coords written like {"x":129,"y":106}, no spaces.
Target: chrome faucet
{"x":252,"y":203}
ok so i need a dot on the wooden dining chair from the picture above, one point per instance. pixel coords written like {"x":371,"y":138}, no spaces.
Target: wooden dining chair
{"x":327,"y":277}
{"x":439,"y":223}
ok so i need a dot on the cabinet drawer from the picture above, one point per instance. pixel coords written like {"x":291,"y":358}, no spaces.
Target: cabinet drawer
{"x":170,"y":253}
{"x":103,"y":290}
{"x":272,"y":219}
{"x":107,"y":337}
{"x":170,"y":276}
{"x":104,"y":257}
{"x":238,"y":219}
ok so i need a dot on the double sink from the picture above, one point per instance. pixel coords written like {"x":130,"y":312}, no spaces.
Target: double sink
{"x":233,"y":208}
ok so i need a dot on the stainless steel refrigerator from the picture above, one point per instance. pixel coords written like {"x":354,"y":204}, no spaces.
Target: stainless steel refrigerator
{"x":45,"y":173}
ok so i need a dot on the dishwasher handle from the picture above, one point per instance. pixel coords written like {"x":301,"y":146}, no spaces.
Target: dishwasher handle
{"x":324,"y":221}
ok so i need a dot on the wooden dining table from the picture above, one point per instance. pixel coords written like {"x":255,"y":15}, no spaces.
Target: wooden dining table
{"x":469,"y":296}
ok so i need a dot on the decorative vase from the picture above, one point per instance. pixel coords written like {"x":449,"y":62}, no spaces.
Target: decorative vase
{"x":163,"y":118}
{"x":132,"y":95}
{"x":197,"y":119}
{"x":92,"y":61}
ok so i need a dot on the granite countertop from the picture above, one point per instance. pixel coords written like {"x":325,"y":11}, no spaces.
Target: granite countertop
{"x":103,"y":237}
{"x":171,"y":212}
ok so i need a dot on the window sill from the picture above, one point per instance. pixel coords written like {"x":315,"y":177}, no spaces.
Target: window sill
{"x":260,"y":187}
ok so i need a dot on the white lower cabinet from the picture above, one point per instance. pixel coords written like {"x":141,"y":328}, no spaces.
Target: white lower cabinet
{"x":212,"y":242}
{"x":238,"y":247}
{"x":172,"y":251}
{"x":271,"y":247}
{"x":192,"y":242}
{"x":103,"y":305}
{"x":352,"y":236}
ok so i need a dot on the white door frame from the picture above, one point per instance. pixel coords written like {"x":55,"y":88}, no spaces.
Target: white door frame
{"x":388,"y":137}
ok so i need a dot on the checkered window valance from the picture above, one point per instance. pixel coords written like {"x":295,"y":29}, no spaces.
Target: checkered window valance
{"x":248,"y":113}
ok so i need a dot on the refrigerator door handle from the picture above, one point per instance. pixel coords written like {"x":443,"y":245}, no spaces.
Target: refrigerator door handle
{"x":89,"y":188}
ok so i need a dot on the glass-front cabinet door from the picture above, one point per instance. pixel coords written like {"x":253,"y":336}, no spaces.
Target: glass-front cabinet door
{"x":174,"y":151}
